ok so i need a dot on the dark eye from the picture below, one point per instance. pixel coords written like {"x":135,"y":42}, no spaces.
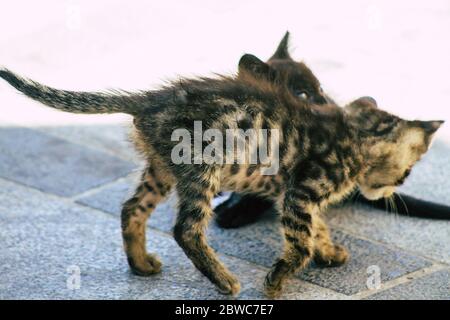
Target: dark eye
{"x":402,"y":179}
{"x":378,"y":186}
{"x":302,"y":94}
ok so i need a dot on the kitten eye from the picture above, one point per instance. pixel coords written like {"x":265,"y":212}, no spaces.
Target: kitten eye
{"x":378,"y":186}
{"x":403,"y":178}
{"x":302,"y":94}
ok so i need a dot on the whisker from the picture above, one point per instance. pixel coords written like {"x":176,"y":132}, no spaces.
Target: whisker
{"x":395,"y":204}
{"x":351,"y":197}
{"x":394,"y":207}
{"x":389,"y":207}
{"x":391,"y":210}
{"x":404,"y":204}
{"x":386,"y":206}
{"x":358,"y":195}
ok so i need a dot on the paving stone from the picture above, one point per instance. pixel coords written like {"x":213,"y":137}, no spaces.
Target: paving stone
{"x":261,"y":243}
{"x":39,"y":245}
{"x":429,"y":238}
{"x":435,"y":286}
{"x":55,"y":165}
{"x":352,"y":277}
{"x":112,"y":139}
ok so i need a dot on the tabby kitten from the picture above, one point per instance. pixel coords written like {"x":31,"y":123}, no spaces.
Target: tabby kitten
{"x":325,"y":152}
{"x":240,"y":210}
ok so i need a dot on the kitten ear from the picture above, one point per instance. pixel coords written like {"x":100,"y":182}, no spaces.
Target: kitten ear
{"x":253,"y":65}
{"x":361,"y":106}
{"x":366,"y":101}
{"x":282,"y":51}
{"x":430,"y":127}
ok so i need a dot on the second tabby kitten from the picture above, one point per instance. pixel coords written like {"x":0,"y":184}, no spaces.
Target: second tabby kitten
{"x":240,"y":210}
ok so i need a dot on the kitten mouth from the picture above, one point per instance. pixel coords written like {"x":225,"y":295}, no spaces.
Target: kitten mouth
{"x":372,"y":196}
{"x":376,"y":194}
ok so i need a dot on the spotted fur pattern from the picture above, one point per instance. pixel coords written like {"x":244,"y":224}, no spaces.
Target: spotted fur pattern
{"x":153,"y":188}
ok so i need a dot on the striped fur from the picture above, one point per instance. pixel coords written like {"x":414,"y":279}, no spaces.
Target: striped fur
{"x":77,"y":102}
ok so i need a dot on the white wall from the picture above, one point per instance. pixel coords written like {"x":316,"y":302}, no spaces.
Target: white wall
{"x":396,"y":51}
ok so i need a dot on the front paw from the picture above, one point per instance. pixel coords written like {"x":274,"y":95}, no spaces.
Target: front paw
{"x":273,"y":283}
{"x":227,"y":283}
{"x":337,"y":257}
{"x":145,"y":266}
{"x":272,"y":286}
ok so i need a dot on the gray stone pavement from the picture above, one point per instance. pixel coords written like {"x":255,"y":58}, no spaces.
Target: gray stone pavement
{"x":58,"y":215}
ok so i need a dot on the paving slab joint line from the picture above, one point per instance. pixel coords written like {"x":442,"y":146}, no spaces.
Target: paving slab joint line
{"x":99,"y":188}
{"x":407,"y":278}
{"x":169,"y":236}
{"x":63,"y":199}
{"x":390,"y":246}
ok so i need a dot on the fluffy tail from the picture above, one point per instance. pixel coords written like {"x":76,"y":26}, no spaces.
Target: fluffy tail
{"x":77,"y":102}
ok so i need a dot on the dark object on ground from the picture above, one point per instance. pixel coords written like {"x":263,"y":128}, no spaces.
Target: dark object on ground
{"x":240,"y":210}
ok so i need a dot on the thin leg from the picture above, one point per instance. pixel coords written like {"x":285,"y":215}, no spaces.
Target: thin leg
{"x":194,"y":213}
{"x":326,"y":253}
{"x":296,"y":220}
{"x":135,"y":213}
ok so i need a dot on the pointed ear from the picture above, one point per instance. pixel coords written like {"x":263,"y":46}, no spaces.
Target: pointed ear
{"x":361,"y":105}
{"x":430,"y":127}
{"x":368,"y":100}
{"x":282,"y":51}
{"x":253,"y":65}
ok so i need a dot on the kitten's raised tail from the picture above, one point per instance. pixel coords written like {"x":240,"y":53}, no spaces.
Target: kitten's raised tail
{"x":77,"y":102}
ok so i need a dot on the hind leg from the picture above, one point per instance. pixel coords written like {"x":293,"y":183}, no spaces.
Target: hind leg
{"x":326,"y":253}
{"x":135,"y":212}
{"x":189,"y":232}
